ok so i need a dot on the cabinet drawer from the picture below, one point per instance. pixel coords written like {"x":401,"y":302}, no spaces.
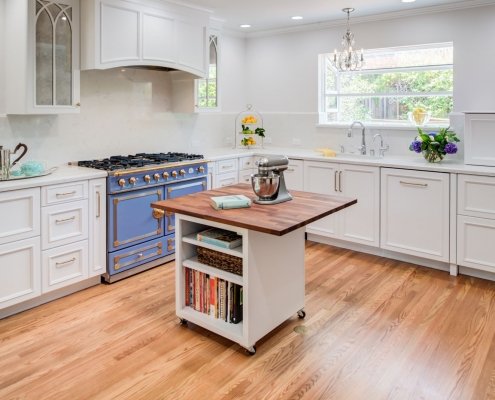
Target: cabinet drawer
{"x":19,"y":214}
{"x":245,"y":176}
{"x":56,"y":194}
{"x":476,"y":196}
{"x":226,"y":165}
{"x":64,"y":265}
{"x":227,"y":179}
{"x":475,"y":239}
{"x":19,"y":271}
{"x":246,"y":163}
{"x":64,"y":223}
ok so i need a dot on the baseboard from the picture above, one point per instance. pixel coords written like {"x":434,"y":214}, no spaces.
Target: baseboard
{"x":47,"y":297}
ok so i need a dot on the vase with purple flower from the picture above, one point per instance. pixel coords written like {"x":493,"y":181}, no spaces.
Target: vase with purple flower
{"x":435,"y":145}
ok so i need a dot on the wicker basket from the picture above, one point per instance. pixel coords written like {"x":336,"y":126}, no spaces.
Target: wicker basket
{"x":219,"y":260}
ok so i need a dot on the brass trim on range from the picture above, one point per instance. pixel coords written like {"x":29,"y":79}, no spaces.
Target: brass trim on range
{"x":177,"y":187}
{"x":116,"y":202}
{"x":148,"y":168}
{"x":140,"y":254}
{"x":170,"y":227}
{"x":158,"y":214}
{"x":170,"y":244}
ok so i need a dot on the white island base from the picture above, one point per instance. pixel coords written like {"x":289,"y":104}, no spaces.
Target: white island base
{"x":272,"y":279}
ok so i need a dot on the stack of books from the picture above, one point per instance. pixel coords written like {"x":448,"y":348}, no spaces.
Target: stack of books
{"x":213,"y":296}
{"x":220,"y":237}
{"x":231,"y":201}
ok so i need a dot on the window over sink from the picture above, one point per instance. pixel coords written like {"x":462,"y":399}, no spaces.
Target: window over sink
{"x":393,"y":82}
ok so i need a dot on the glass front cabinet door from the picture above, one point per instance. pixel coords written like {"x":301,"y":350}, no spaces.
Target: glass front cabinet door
{"x":51,"y":67}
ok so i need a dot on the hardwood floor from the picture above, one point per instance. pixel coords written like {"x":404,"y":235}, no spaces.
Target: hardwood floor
{"x":375,"y":329}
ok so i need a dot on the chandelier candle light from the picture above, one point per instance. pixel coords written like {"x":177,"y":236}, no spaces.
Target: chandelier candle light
{"x":348,"y":59}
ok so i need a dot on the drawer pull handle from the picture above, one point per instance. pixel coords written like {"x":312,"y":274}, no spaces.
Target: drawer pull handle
{"x":65,"y":194}
{"x":335,"y":181}
{"x":62,"y":221}
{"x":140,"y":255}
{"x":413,"y":184}
{"x":57,"y":264}
{"x":98,"y":212}
{"x":290,"y":169}
{"x":227,"y":166}
{"x":340,"y":181}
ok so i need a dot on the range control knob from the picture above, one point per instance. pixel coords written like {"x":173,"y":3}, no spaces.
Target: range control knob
{"x":121,"y":182}
{"x":174,"y":174}
{"x":156,"y":177}
{"x":182,"y":172}
{"x":165,"y":175}
{"x":201,"y":169}
{"x":132,"y":180}
{"x":147,"y":178}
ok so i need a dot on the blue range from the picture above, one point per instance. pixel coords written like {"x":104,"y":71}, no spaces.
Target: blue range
{"x":139,"y":237}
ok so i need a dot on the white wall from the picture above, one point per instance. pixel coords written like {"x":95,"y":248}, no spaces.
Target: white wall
{"x":282,"y":71}
{"x":127,"y":112}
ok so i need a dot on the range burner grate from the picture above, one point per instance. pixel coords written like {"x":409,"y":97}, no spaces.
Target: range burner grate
{"x":138,"y":160}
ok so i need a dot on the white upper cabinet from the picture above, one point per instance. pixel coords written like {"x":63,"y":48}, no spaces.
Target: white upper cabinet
{"x":118,"y":33}
{"x":42,"y":56}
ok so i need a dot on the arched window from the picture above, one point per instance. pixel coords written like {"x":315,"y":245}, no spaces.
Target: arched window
{"x":207,"y":89}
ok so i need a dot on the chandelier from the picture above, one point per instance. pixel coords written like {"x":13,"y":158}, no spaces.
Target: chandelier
{"x":348,"y":59}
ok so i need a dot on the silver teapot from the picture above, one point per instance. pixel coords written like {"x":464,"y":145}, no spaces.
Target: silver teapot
{"x":5,"y":163}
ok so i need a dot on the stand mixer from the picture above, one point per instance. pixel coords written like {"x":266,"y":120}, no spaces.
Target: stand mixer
{"x":269,"y":183}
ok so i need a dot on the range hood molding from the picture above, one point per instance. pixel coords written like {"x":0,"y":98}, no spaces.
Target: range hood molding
{"x":128,"y":34}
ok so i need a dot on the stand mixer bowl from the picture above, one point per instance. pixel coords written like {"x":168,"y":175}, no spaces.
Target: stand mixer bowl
{"x":265,"y":186}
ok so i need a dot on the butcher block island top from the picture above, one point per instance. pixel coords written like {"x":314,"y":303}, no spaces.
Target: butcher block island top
{"x":277,"y":219}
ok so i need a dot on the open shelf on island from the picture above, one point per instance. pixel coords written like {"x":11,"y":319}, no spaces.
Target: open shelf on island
{"x":236,"y":251}
{"x":193,"y":263}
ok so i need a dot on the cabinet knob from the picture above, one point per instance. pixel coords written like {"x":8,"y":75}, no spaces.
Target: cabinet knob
{"x":78,"y":104}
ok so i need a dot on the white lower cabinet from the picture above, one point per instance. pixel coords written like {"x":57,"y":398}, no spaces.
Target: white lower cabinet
{"x":476,"y":222}
{"x":226,"y":173}
{"x":97,"y":227}
{"x":360,"y":222}
{"x":415,"y":207}
{"x":20,"y":277}
{"x":64,"y":265}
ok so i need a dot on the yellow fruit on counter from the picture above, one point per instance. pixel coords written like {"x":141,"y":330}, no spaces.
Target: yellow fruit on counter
{"x":326,"y":152}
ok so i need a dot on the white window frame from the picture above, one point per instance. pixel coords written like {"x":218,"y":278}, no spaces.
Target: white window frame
{"x":322,"y":94}
{"x":217,"y":108}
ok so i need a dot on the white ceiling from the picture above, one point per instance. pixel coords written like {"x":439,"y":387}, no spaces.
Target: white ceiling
{"x":276,"y":14}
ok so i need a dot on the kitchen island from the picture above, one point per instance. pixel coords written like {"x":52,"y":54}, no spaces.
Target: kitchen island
{"x":272,"y":277}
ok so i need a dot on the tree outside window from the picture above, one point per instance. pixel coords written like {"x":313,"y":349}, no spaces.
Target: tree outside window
{"x":393,"y":82}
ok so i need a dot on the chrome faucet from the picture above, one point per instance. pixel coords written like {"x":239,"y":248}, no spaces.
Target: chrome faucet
{"x":382,"y":149}
{"x":362,"y":148}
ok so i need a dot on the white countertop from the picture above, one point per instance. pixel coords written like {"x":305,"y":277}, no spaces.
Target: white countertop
{"x":63,"y":174}
{"x":415,"y":161}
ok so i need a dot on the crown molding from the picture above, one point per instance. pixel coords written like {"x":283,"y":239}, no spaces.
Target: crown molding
{"x":460,"y":5}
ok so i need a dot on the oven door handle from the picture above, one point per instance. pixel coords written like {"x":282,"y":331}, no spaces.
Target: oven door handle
{"x":187,"y":185}
{"x":158,"y":214}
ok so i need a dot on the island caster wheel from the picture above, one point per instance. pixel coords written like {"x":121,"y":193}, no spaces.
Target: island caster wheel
{"x":251,"y":351}
{"x":301,"y":314}
{"x":183,"y":321}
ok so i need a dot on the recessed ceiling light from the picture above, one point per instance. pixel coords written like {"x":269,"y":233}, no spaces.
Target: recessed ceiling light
{"x":408,"y":1}
{"x":245,"y":26}
{"x":296,"y":17}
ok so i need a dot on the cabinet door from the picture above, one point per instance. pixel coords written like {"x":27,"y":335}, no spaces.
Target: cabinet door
{"x":119,"y":34}
{"x":97,"y":227}
{"x":479,"y":139}
{"x":293,"y":175}
{"x":415,"y":213}
{"x":360,"y":223}
{"x":19,"y":214}
{"x":320,"y":177}
{"x":475,"y":239}
{"x":20,"y":276}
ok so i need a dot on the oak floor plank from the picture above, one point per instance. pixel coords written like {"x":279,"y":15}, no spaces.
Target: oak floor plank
{"x":375,"y":329}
